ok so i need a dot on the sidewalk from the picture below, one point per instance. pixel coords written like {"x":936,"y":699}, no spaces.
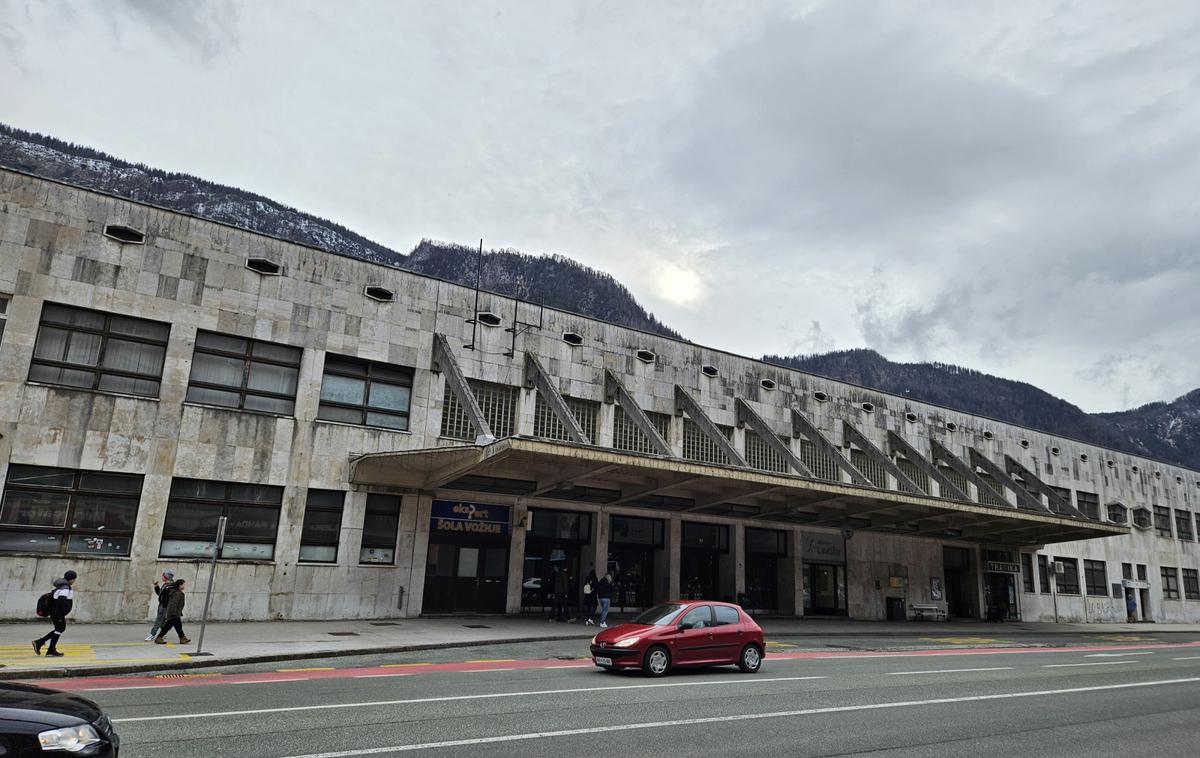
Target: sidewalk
{"x":119,"y":648}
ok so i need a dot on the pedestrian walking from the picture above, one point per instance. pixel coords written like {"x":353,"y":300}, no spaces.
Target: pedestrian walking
{"x":162,"y":595}
{"x":562,"y":584}
{"x":61,"y":600}
{"x":1130,"y":606}
{"x":604,"y":597}
{"x":589,"y":599}
{"x":174,"y":616}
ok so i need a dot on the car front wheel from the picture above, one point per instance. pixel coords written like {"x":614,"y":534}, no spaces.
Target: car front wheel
{"x":751,"y":659}
{"x":657,"y":661}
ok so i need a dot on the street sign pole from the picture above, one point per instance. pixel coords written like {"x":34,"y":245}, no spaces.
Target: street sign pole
{"x":212,"y":572}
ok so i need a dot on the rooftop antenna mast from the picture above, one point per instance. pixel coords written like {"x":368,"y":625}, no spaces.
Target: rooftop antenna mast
{"x":474,"y":320}
{"x":520,"y":327}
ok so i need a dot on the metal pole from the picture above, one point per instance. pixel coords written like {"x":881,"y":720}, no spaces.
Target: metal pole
{"x":212,"y":572}
{"x":1054,"y":591}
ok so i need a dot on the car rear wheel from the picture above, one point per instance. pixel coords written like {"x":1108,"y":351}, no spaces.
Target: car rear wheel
{"x":751,"y":659}
{"x":657,"y":661}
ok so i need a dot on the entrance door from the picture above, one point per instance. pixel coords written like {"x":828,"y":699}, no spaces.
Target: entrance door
{"x":698,"y":574}
{"x":465,"y":578}
{"x":537,"y":583}
{"x":632,"y":569}
{"x":1000,"y":595}
{"x":826,"y":596}
{"x":762,"y":580}
{"x":960,"y":582}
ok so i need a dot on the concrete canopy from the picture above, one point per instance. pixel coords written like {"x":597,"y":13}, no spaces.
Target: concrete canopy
{"x":563,"y":471}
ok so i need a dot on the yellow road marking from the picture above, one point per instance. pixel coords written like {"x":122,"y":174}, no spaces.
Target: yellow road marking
{"x":964,"y":640}
{"x":492,"y":660}
{"x":1122,"y":638}
{"x":398,"y":665}
{"x":312,"y":668}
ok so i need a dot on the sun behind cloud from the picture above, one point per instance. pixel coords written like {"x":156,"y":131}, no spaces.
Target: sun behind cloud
{"x":678,"y":285}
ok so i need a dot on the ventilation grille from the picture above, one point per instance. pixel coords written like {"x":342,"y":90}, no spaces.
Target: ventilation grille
{"x":868,"y":407}
{"x":911,"y":417}
{"x":497,"y":401}
{"x":816,"y":461}
{"x":547,"y":425}
{"x":957,"y":479}
{"x":646,"y":356}
{"x":869,"y":467}
{"x":627,"y":437}
{"x":988,"y":434}
{"x":574,"y":339}
{"x":760,"y":455}
{"x":1025,"y":444}
{"x":768,"y":384}
{"x":709,"y":371}
{"x":126,"y":235}
{"x":951,"y":426}
{"x":913,"y":472}
{"x":382,"y":294}
{"x":988,"y":499}
{"x":487,"y":318}
{"x":264,"y":266}
{"x":697,"y":445}
{"x":821,"y":397}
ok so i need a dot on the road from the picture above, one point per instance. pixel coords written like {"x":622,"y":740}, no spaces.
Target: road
{"x":1114,"y":698}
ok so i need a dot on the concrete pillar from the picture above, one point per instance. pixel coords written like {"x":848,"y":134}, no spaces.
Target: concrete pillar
{"x":516,"y":558}
{"x":674,"y":540}
{"x":604,"y":425}
{"x":414,"y":596}
{"x":738,"y":551}
{"x":790,"y":599}
{"x":600,"y":532}
{"x":406,"y":552}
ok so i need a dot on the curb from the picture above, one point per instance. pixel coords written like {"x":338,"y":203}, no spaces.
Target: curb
{"x":213,"y":662}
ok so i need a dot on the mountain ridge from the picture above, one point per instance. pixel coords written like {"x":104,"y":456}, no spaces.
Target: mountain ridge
{"x":1166,"y":431}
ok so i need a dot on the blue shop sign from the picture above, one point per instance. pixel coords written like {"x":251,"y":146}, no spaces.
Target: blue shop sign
{"x":469,"y":518}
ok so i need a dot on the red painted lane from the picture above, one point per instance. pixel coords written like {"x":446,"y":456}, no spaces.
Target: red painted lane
{"x":408,"y":669}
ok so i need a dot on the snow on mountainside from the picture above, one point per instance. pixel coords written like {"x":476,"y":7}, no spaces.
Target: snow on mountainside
{"x":1167,"y":431}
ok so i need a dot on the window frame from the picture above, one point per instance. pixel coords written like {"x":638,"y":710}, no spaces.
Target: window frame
{"x":1183,"y":525}
{"x":1044,"y":574}
{"x":226,"y":502}
{"x":1027,"y":581}
{"x":1170,"y":582}
{"x":1162,"y":522}
{"x":1090,"y":570}
{"x":1062,"y":585}
{"x":73,"y":493}
{"x":5,"y":301}
{"x":311,"y":507}
{"x":106,"y":335}
{"x":247,"y":358}
{"x":374,"y":503}
{"x":368,"y":378}
{"x":1191,"y":584}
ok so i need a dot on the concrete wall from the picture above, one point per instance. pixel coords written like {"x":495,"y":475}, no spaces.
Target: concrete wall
{"x":191,"y":274}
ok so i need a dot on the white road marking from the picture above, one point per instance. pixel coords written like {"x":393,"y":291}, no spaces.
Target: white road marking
{"x":1188,"y":658}
{"x":376,"y":676}
{"x":1093,"y":663}
{"x":948,"y":671}
{"x":725,"y":719}
{"x":483,"y":671}
{"x":1116,"y":655}
{"x":448,"y":698}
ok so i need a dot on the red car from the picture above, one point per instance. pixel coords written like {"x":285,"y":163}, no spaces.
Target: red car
{"x":682,"y":633}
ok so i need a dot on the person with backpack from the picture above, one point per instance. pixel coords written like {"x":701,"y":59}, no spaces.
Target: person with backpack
{"x":589,"y":598}
{"x":163,"y":594}
{"x":174,"y":616}
{"x":604,"y":596}
{"x":56,"y":604}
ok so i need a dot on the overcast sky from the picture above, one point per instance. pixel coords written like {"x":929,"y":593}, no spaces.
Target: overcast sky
{"x":1014,"y":187}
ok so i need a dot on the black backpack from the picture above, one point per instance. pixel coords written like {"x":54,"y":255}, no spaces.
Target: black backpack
{"x":43,"y":604}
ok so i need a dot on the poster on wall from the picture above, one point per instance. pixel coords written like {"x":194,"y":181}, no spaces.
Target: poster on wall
{"x":935,"y":588}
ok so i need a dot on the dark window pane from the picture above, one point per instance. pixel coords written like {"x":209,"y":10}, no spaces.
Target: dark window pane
{"x":495,"y":562}
{"x":381,"y":521}
{"x":217,"y":369}
{"x":250,"y":522}
{"x":128,"y":385}
{"x":62,"y":314}
{"x":389,"y":397}
{"x":345,"y":365}
{"x":65,"y":376}
{"x":96,"y":480}
{"x":198,"y":488}
{"x":134,"y":357}
{"x":137,"y":327}
{"x":268,"y":377}
{"x":97,"y":545}
{"x":256,"y":493}
{"x":221,"y":342}
{"x":41,"y":476}
{"x":28,"y":542}
{"x":388,"y":420}
{"x":346,"y":415}
{"x":269,"y":405}
{"x":35,"y":508}
{"x":198,"y":519}
{"x":273,"y":352}
{"x":321,"y":527}
{"x":108,"y":513}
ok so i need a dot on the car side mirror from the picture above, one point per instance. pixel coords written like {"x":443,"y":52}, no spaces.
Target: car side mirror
{"x":685,"y":625}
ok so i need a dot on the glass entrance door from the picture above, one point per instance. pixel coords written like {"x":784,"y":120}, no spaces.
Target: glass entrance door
{"x":1000,"y":595}
{"x":632,"y":570}
{"x":465,"y":578}
{"x":825,"y":589}
{"x":762,"y":582}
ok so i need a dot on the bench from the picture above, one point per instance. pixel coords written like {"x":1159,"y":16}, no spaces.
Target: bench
{"x":920,"y":610}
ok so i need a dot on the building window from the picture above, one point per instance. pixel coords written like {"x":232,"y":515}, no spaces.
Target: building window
{"x":92,"y":350}
{"x":1027,"y":571}
{"x":1095,"y":577}
{"x":498,"y":402}
{"x":1068,"y":580}
{"x":1191,"y":584}
{"x":1170,"y":582}
{"x":380,"y":526}
{"x":322,"y":526}
{"x":547,"y":426}
{"x":760,"y":454}
{"x":366,"y":393}
{"x":1118,"y":514}
{"x":1088,"y":502}
{"x":4,"y":300}
{"x":59,"y":510}
{"x":1141,"y":518}
{"x":242,"y":373}
{"x":1044,"y":574}
{"x":697,"y":445}
{"x":1183,"y":524}
{"x":627,"y":436}
{"x":194,"y":507}
{"x":1162,"y":521}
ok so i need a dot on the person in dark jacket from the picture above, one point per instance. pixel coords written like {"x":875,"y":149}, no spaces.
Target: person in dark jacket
{"x":589,"y":598}
{"x":174,"y":616}
{"x":604,"y":596}
{"x":561,"y":585}
{"x":163,"y":594}
{"x":61,"y":603}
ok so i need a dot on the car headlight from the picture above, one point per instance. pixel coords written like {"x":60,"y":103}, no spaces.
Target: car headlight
{"x":627,"y":642}
{"x":594,"y":639}
{"x":72,"y":739}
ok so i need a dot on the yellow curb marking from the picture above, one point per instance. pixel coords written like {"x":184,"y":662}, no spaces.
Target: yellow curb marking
{"x":492,"y":660}
{"x":965,"y":640}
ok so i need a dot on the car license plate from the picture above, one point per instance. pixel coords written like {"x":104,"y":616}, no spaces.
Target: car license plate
{"x":602,"y":661}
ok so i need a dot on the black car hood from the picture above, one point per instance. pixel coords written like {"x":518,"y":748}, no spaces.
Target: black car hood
{"x":37,"y":705}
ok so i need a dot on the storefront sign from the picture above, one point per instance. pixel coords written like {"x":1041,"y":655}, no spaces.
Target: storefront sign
{"x":822,"y":548}
{"x":469,"y":518}
{"x":1135,"y":584}
{"x":1002,"y":567}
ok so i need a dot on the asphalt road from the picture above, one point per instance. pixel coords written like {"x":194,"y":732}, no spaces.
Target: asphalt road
{"x":1122,"y":698}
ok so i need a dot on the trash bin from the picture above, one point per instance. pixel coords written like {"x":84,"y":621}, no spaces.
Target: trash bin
{"x":895,"y":609}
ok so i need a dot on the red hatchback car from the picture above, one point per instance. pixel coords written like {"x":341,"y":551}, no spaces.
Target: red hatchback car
{"x":682,"y":633}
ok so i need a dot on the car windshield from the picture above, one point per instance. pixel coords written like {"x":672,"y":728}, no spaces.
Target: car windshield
{"x":663,"y":614}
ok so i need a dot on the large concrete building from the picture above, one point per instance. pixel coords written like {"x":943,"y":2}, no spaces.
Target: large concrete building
{"x":385,"y":444}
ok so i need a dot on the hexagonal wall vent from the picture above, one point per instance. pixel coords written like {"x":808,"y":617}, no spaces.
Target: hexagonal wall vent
{"x":574,"y":339}
{"x":126,"y":235}
{"x":264,"y":266}
{"x":382,"y":294}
